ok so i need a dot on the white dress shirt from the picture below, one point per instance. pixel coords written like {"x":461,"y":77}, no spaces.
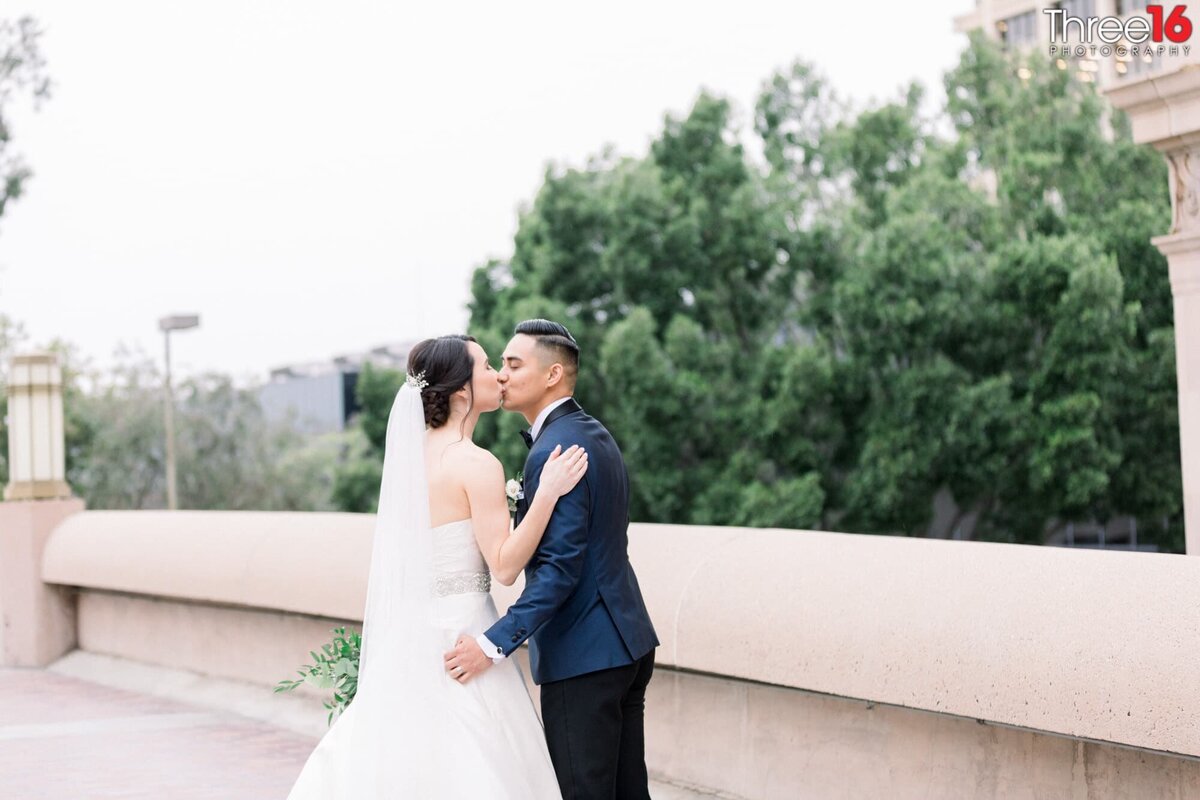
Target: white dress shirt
{"x":492,"y":650}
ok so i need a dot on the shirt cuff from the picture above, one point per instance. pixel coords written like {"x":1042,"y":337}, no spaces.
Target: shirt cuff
{"x":490,"y":649}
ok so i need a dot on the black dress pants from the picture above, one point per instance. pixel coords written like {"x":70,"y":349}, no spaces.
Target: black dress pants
{"x":596,"y":734}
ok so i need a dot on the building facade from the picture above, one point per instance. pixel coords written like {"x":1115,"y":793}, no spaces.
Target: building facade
{"x":1029,"y":26}
{"x":319,"y":397}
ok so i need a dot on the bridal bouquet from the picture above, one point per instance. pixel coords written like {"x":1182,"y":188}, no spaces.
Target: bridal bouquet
{"x":335,"y":667}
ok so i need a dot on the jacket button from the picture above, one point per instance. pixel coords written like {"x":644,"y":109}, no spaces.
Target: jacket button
{"x":516,"y":639}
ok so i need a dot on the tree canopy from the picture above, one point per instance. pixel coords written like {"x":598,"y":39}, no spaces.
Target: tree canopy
{"x":825,"y":321}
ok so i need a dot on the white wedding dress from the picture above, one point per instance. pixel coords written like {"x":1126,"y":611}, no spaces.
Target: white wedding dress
{"x":412,"y":731}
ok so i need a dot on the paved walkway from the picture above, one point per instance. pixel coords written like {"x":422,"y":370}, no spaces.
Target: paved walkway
{"x":62,"y":738}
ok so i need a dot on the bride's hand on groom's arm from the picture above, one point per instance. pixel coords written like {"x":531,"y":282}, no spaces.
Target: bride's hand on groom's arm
{"x":507,"y":550}
{"x":466,"y":660}
{"x":563,"y":470}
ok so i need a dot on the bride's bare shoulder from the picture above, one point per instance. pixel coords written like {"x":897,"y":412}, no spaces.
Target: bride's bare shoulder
{"x":472,"y":457}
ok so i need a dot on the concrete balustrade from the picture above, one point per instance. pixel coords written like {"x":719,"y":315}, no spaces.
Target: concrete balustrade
{"x":305,"y":563}
{"x":240,"y":595}
{"x":787,"y":657}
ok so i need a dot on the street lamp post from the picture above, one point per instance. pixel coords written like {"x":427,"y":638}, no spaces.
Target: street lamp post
{"x":178,"y":322}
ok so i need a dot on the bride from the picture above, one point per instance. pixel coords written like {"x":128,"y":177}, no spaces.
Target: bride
{"x":412,"y":731}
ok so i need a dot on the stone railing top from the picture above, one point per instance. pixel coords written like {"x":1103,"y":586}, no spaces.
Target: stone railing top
{"x":1094,"y":644}
{"x":306,"y":563}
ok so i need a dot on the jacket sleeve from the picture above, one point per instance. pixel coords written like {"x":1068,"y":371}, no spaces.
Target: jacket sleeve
{"x":560,"y":563}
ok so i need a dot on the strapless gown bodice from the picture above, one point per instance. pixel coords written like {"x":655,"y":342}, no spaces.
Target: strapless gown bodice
{"x":458,"y":566}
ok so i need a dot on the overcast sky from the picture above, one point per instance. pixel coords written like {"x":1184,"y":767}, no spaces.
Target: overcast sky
{"x":321,"y":178}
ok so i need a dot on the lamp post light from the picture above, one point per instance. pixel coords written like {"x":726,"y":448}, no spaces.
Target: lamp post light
{"x":177,"y":322}
{"x":36,"y":451}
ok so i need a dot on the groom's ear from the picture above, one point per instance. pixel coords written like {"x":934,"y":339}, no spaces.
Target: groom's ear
{"x":555,"y":375}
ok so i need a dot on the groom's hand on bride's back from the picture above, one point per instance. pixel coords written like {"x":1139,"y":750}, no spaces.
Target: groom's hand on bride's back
{"x":466,"y":660}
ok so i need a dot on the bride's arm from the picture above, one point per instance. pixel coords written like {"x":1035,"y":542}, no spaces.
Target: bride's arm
{"x":507,"y":551}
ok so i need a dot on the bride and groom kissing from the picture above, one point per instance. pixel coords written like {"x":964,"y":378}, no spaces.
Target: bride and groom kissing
{"x":441,"y":709}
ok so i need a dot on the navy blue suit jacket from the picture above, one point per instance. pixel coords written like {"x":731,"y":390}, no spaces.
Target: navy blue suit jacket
{"x":582,"y":609}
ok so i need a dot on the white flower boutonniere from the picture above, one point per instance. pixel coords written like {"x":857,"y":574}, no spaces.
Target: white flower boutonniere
{"x":515,"y":489}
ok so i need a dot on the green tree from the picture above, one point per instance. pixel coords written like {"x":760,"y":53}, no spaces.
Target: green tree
{"x":872,"y":314}
{"x":12,"y":335}
{"x":673,"y":271}
{"x":22,"y":69}
{"x":357,"y":478}
{"x":228,"y":456}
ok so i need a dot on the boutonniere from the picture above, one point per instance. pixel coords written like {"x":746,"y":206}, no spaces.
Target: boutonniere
{"x":515,"y":489}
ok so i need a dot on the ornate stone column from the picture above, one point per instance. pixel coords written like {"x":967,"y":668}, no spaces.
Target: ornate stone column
{"x":1165,"y":112}
{"x":37,"y":620}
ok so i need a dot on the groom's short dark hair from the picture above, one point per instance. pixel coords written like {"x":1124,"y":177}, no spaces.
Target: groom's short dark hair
{"x":555,"y":338}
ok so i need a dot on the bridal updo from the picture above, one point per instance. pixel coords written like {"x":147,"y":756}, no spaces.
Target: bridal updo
{"x":447,"y":366}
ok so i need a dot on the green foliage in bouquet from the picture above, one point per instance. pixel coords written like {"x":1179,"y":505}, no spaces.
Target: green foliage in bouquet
{"x":335,"y":667}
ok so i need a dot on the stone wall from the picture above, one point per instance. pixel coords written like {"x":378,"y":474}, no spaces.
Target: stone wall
{"x":793,"y":663}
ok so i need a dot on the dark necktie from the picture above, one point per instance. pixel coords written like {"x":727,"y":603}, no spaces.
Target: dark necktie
{"x":527,"y":437}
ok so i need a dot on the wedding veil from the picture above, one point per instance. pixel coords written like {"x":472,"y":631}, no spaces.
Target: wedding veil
{"x":401,"y":673}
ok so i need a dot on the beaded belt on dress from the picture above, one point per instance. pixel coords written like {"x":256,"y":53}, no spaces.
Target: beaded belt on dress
{"x":444,"y":585}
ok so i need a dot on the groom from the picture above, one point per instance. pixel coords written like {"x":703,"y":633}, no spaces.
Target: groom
{"x":591,"y":644}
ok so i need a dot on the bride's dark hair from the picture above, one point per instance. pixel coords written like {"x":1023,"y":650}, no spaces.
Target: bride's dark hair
{"x":447,"y":366}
